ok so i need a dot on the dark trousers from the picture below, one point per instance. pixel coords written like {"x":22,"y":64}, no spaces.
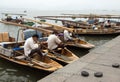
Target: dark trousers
{"x":37,"y":50}
{"x":107,"y":26}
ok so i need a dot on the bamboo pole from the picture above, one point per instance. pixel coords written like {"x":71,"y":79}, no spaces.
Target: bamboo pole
{"x":53,"y":25}
{"x":29,"y":27}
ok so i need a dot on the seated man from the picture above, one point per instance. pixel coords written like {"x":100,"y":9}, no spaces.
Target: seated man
{"x":67,"y":36}
{"x":31,"y":46}
{"x":21,"y":20}
{"x":107,"y":24}
{"x":53,"y":41}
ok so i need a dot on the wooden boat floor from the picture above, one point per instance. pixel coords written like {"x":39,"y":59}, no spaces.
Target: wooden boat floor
{"x":66,"y":56}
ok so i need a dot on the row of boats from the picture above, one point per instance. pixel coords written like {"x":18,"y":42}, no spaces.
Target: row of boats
{"x":86,"y":27}
{"x":14,"y":51}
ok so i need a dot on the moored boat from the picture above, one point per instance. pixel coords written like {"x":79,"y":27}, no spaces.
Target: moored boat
{"x":108,"y":31}
{"x":86,"y":28}
{"x":80,"y":44}
{"x":62,"y":55}
{"x":11,"y":52}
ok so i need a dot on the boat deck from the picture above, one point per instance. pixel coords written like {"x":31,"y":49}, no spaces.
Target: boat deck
{"x":98,"y":60}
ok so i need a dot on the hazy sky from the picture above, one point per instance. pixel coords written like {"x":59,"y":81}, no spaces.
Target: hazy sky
{"x":61,"y":4}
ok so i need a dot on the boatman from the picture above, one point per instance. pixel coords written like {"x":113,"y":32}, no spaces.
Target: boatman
{"x":21,"y":20}
{"x":31,"y":46}
{"x":54,"y":42}
{"x":107,"y":24}
{"x":67,"y":36}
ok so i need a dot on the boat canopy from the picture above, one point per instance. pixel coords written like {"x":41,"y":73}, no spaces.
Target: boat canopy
{"x":30,"y":32}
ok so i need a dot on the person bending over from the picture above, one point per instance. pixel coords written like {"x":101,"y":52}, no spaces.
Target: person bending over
{"x":54,"y":42}
{"x":31,"y":46}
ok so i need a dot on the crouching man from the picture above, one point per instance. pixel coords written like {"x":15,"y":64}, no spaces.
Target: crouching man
{"x":31,"y":46}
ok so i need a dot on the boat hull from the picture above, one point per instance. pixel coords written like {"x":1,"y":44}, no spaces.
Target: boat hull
{"x":41,"y":65}
{"x":80,"y":44}
{"x":65,"y":52}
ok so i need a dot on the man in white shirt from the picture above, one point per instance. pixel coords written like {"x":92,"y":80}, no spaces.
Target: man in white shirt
{"x":67,"y":36}
{"x":31,"y":46}
{"x":53,"y":41}
{"x":107,"y":24}
{"x":21,"y":19}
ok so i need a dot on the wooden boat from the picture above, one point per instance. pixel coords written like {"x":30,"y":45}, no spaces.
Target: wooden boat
{"x":10,"y":52}
{"x":79,"y":43}
{"x":57,"y":27}
{"x":63,"y":15}
{"x":69,"y":23}
{"x":108,"y":31}
{"x":13,"y":17}
{"x":62,"y":55}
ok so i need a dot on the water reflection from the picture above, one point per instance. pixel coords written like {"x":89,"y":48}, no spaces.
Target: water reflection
{"x":98,"y":40}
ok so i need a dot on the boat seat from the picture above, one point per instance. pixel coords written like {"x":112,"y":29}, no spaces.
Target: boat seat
{"x":20,"y":57}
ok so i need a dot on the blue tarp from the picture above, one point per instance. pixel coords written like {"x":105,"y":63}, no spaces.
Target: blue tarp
{"x":30,"y":32}
{"x":15,"y":49}
{"x":91,"y":21}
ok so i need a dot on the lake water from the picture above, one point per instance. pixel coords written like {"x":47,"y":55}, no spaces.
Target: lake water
{"x":10,"y":72}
